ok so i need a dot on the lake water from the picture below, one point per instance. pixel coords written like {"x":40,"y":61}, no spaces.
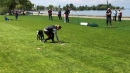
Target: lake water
{"x":98,"y":13}
{"x":125,"y":13}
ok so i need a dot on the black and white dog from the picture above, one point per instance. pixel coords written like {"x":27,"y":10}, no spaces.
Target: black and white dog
{"x":40,"y":35}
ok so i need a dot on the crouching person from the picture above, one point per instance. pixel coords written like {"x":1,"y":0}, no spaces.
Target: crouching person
{"x":50,"y":31}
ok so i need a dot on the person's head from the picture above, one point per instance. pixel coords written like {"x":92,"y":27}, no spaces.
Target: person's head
{"x":58,"y":27}
{"x":108,"y":9}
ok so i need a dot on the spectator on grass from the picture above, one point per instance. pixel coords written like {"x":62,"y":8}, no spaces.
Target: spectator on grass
{"x":50,"y":14}
{"x":50,"y":31}
{"x":59,"y":14}
{"x":16,"y":15}
{"x":119,"y":15}
{"x":114,"y":15}
{"x":67,"y":12}
{"x":108,"y":17}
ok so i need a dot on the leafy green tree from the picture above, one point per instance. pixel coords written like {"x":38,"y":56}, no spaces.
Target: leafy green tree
{"x":81,"y":8}
{"x":72,"y":7}
{"x":50,"y":7}
{"x":3,"y":10}
{"x":67,"y":6}
{"x":93,"y":7}
{"x":12,"y":4}
{"x":40,"y":7}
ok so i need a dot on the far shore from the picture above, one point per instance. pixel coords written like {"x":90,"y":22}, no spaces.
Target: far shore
{"x":88,"y":16}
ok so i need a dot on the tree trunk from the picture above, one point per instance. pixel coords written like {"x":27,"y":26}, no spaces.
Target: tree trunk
{"x":11,"y":9}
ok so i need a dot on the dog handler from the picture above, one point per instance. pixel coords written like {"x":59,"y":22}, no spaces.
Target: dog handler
{"x":50,"y":31}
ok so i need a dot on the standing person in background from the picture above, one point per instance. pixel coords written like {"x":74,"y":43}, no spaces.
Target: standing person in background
{"x":50,"y":14}
{"x":119,"y":15}
{"x":59,"y":14}
{"x":108,"y":17}
{"x":114,"y":15}
{"x":67,"y":12}
{"x":16,"y":15}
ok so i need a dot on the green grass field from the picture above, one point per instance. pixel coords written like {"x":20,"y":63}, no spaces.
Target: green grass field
{"x":84,"y":49}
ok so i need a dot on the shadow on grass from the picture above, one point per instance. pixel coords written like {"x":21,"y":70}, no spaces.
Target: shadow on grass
{"x":112,"y":27}
{"x":60,"y":42}
{"x":18,"y":20}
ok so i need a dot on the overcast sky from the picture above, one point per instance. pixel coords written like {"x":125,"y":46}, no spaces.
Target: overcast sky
{"x":124,"y":3}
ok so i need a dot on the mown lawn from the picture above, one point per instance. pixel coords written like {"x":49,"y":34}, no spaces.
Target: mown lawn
{"x":84,"y":49}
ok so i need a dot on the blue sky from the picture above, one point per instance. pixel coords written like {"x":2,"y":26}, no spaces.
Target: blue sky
{"x":124,"y":3}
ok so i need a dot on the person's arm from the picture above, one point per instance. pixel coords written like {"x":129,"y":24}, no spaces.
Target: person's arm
{"x":69,"y":12}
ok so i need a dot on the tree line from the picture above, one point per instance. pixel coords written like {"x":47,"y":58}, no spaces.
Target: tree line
{"x":9,"y":6}
{"x":80,"y":8}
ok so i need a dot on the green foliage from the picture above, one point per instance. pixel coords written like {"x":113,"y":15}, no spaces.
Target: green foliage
{"x":50,"y":7}
{"x":84,"y":49}
{"x":93,"y":7}
{"x":40,"y":7}
{"x":3,"y":10}
{"x":12,"y":4}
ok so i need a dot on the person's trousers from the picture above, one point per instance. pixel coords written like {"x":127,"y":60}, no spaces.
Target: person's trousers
{"x":50,"y":35}
{"x":50,"y":17}
{"x":114,"y":18}
{"x":108,"y":20}
{"x":67,"y":18}
{"x":119,"y":18}
{"x":60,"y":18}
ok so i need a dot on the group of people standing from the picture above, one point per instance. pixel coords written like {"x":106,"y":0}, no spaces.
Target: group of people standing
{"x":66,"y":15}
{"x":115,"y":15}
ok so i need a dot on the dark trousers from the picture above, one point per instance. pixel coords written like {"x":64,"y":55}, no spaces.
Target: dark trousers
{"x":67,"y":18}
{"x":50,"y":17}
{"x":108,"y":20}
{"x":60,"y":18}
{"x":16,"y":17}
{"x":119,"y":18}
{"x":50,"y":35}
{"x":114,"y":18}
